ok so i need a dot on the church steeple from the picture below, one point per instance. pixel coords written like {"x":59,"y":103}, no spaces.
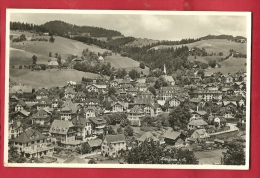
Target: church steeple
{"x":164,"y":69}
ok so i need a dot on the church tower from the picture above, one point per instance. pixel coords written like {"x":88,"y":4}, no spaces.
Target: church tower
{"x":164,"y":69}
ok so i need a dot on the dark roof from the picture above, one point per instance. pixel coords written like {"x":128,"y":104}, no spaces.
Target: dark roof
{"x":60,"y":126}
{"x":95,"y":143}
{"x":170,"y":134}
{"x":80,"y":122}
{"x":29,"y":135}
{"x":115,"y":138}
{"x":40,"y":114}
{"x":147,"y":135}
{"x":98,"y":120}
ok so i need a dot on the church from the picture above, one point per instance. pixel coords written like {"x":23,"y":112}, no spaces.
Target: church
{"x":167,"y":78}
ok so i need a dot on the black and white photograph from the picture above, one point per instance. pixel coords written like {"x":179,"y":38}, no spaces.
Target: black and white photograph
{"x":127,"y":89}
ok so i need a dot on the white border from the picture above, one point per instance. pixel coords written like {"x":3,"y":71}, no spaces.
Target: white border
{"x":135,"y":166}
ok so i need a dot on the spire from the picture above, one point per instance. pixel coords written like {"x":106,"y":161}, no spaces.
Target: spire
{"x":164,"y":69}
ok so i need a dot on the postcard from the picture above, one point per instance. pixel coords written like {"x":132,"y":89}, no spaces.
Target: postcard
{"x":127,"y":89}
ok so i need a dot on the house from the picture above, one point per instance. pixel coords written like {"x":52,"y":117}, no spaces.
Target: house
{"x":63,"y":132}
{"x":141,"y":87}
{"x":13,"y":99}
{"x":91,"y":111}
{"x":95,"y":144}
{"x":147,"y":136}
{"x":119,"y":107}
{"x":80,"y":96}
{"x":43,"y":102}
{"x":83,"y":128}
{"x":68,"y":109}
{"x":101,"y":59}
{"x":75,"y":160}
{"x":14,"y":128}
{"x":227,"y":91}
{"x":41,"y":117}
{"x":97,"y":88}
{"x":165,"y":93}
{"x":200,"y":135}
{"x":220,"y":120}
{"x":53,"y":64}
{"x":20,"y":105}
{"x":55,"y":102}
{"x":42,"y":93}
{"x":98,"y":125}
{"x":112,"y":144}
{"x":172,"y":137}
{"x":134,"y":115}
{"x":169,"y":80}
{"x":197,"y":124}
{"x":175,"y":101}
{"x":207,"y":95}
{"x":227,"y":79}
{"x":33,"y":144}
{"x":152,"y":109}
{"x":69,"y":93}
{"x":23,"y":114}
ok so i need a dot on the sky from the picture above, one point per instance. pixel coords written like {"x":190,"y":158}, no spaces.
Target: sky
{"x":151,"y":26}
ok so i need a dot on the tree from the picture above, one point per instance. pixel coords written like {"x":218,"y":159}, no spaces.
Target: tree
{"x":212,"y":63}
{"x":124,"y":122}
{"x":152,"y":90}
{"x":84,"y":148}
{"x":111,"y":91}
{"x":235,"y":154}
{"x":51,"y":40}
{"x":119,"y":130}
{"x":50,"y":54}
{"x":128,"y":131}
{"x":160,"y":82}
{"x":180,"y":116}
{"x":110,"y":131}
{"x":141,"y":65}
{"x":34,"y":58}
{"x":150,"y":152}
{"x":134,"y":74}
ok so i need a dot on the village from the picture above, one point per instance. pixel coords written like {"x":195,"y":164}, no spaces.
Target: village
{"x":93,"y":121}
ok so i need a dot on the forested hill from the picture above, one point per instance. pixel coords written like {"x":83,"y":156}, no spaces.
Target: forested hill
{"x":62,"y":28}
{"x":227,"y":37}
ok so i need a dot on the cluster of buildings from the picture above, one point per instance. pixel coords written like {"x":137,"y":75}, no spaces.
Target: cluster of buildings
{"x":76,"y":118}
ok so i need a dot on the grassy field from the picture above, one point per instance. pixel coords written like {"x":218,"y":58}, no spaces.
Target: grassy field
{"x":61,"y":45}
{"x":21,"y":57}
{"x":48,"y":78}
{"x":126,"y":63}
{"x":213,"y":45}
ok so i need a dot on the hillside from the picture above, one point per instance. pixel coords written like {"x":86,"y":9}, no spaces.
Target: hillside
{"x":117,"y":61}
{"x":62,"y":28}
{"x":139,"y":42}
{"x":48,"y":77}
{"x":227,"y":37}
{"x":212,"y":45}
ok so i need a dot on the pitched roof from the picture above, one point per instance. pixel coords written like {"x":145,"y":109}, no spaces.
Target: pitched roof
{"x":115,"y":138}
{"x":170,"y":134}
{"x":95,"y":143}
{"x":147,"y":135}
{"x":69,"y":105}
{"x":80,"y":122}
{"x":70,"y":90}
{"x":40,"y":114}
{"x":53,"y":63}
{"x":98,"y":120}
{"x":136,"y":109}
{"x":74,"y":159}
{"x":198,"y":122}
{"x":60,"y":126}
{"x":26,"y":113}
{"x":29,"y":135}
